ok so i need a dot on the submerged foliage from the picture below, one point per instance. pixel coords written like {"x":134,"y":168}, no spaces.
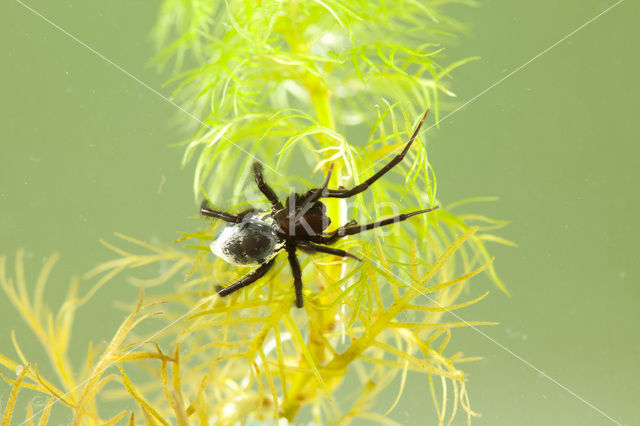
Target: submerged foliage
{"x":247,"y":358}
{"x":293,"y":84}
{"x":272,"y":74}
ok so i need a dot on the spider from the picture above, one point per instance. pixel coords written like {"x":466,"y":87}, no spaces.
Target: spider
{"x":256,"y":236}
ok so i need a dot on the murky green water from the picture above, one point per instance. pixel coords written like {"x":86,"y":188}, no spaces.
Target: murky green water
{"x":84,"y":152}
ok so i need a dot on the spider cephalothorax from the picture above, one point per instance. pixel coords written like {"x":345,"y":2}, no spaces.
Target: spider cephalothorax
{"x":255,"y":236}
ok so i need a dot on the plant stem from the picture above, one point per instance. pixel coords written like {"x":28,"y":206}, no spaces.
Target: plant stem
{"x":304,"y":387}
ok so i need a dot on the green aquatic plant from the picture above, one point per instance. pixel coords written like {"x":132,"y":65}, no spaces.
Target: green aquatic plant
{"x":298,"y":86}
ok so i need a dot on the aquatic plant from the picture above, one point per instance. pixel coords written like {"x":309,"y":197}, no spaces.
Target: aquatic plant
{"x":295,"y":85}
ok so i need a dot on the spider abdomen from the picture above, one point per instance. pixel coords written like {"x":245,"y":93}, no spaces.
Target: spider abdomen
{"x":245,"y":243}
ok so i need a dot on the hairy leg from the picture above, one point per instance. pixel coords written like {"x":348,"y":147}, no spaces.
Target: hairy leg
{"x":312,"y":196}
{"x":346,"y":193}
{"x":264,"y":187}
{"x":312,"y":248}
{"x":247,"y":279}
{"x":207,"y":210}
{"x":351,"y":229}
{"x":296,"y":271}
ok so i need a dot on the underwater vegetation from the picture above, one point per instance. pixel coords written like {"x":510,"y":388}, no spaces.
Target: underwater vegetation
{"x":299,"y":86}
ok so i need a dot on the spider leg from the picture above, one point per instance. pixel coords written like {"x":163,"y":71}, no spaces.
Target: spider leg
{"x":316,"y":194}
{"x":296,"y":271}
{"x":250,"y":278}
{"x":206,"y":210}
{"x":346,"y":193}
{"x":264,"y":187}
{"x":343,"y":231}
{"x":312,"y":248}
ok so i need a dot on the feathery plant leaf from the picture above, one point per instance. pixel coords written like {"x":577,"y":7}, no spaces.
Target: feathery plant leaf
{"x":246,"y":63}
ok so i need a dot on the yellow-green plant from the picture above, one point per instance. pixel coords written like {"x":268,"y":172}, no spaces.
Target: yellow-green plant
{"x":299,"y":86}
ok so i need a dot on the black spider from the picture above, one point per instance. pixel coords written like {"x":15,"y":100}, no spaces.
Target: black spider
{"x":256,"y":236}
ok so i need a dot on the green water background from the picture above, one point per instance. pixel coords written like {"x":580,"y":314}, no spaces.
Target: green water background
{"x":84,"y":152}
